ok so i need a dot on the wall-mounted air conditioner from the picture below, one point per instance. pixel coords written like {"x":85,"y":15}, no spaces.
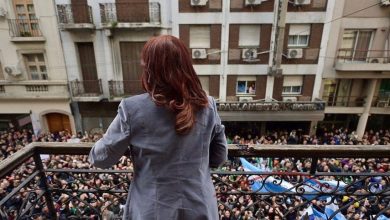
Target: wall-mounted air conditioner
{"x":301,"y":2}
{"x":13,"y":71}
{"x":199,"y":54}
{"x":376,"y":60}
{"x":3,"y":12}
{"x":295,"y":53}
{"x":290,"y":99}
{"x":249,"y":54}
{"x":245,"y":99}
{"x":252,"y":2}
{"x":384,"y":2}
{"x":198,"y":2}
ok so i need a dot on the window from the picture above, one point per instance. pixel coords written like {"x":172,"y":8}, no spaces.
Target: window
{"x":249,"y":36}
{"x":204,"y":80}
{"x":35,"y":65}
{"x":355,"y":45}
{"x":200,"y":36}
{"x":26,"y":20}
{"x":246,"y":86}
{"x":299,"y":35}
{"x":292,"y":85}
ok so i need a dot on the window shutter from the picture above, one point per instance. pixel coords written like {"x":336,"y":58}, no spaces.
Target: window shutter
{"x":299,"y":29}
{"x":204,"y":80}
{"x":200,"y":37}
{"x":249,"y":35}
{"x":293,"y":81}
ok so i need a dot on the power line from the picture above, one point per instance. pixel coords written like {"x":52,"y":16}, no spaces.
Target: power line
{"x":343,"y":16}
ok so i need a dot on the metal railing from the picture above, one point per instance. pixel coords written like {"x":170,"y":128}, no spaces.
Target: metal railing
{"x":74,"y":14}
{"x":86,"y":88}
{"x":148,"y":12}
{"x":381,"y":101}
{"x":125,"y":88}
{"x":263,"y":105}
{"x":363,"y":56}
{"x":24,"y":28}
{"x":344,"y":101}
{"x":57,"y":189}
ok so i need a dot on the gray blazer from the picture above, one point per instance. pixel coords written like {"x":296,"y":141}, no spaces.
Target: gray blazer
{"x":171,"y":172}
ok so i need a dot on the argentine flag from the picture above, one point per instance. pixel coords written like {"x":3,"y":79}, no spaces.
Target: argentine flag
{"x":280,"y":186}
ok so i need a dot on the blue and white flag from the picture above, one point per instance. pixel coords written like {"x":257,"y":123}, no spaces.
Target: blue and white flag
{"x":332,"y":208}
{"x":266,"y":184}
{"x":270,"y":184}
{"x":382,"y":217}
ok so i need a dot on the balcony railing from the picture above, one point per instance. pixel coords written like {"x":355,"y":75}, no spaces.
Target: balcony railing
{"x":34,"y":89}
{"x":262,"y":106}
{"x":363,"y":56}
{"x":381,"y":101}
{"x":86,"y":88}
{"x":74,"y":14}
{"x":125,"y":88}
{"x":363,"y":60}
{"x":75,"y":193}
{"x":114,"y":13}
{"x":24,"y":28}
{"x":344,"y":101}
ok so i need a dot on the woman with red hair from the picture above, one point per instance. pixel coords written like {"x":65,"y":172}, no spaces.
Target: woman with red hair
{"x":175,"y":135}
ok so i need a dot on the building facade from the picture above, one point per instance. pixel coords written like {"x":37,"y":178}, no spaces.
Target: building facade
{"x":66,"y":65}
{"x":33,"y":78}
{"x":102,"y":41}
{"x":356,"y":77}
{"x":232,"y":44}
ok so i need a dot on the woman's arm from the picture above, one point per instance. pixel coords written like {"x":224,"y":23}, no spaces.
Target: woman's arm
{"x":218,"y":145}
{"x":109,"y":149}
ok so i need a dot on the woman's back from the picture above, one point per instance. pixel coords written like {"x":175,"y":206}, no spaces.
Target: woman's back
{"x":175,"y":136}
{"x":172,"y":169}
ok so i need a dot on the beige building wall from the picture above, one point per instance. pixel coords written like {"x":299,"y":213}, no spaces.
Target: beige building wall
{"x":365,"y":76}
{"x":21,"y":94}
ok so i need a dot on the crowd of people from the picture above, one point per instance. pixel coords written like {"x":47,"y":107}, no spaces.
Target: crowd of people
{"x":89,"y":203}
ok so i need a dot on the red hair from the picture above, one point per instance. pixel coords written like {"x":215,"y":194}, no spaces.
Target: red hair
{"x":171,"y":80}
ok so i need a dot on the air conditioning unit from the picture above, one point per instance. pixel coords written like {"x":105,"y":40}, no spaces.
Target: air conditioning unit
{"x":252,"y":2}
{"x":13,"y":71}
{"x":290,"y":99}
{"x":385,"y":2}
{"x":3,"y":12}
{"x":199,"y":54}
{"x":245,"y":99}
{"x":376,"y":60}
{"x":249,"y":54}
{"x":295,"y":53}
{"x":302,"y":2}
{"x":198,"y":2}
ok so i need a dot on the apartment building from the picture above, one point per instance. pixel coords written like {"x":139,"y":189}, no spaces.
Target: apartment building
{"x":356,"y":77}
{"x":232,"y":44}
{"x":33,"y":79}
{"x":102,"y":41}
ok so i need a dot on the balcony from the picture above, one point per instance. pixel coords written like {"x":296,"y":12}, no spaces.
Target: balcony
{"x":75,"y":17}
{"x":87,"y":90}
{"x":25,"y":30}
{"x":50,"y":190}
{"x":120,"y":89}
{"x":271,"y":110}
{"x":130,"y":15}
{"x":34,"y":89}
{"x":344,"y":101}
{"x":362,"y":60}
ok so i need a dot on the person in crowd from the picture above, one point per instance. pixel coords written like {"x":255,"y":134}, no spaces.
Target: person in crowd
{"x":112,"y":206}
